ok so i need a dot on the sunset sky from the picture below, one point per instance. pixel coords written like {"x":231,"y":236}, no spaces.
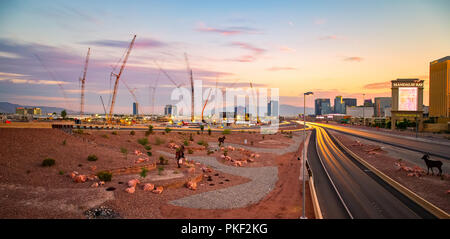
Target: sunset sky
{"x":329,"y":47}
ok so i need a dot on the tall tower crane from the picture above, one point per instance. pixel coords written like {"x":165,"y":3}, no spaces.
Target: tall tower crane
{"x":83,"y":81}
{"x":189,"y":70}
{"x":116,"y":84}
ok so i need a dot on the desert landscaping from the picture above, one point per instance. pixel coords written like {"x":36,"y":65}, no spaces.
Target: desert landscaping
{"x":51,"y":173}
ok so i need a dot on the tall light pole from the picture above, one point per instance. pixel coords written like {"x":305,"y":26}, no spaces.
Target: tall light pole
{"x":304,"y":150}
{"x":364,"y":107}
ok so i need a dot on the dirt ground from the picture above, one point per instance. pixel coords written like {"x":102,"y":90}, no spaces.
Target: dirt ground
{"x":435,"y":189}
{"x":30,"y":190}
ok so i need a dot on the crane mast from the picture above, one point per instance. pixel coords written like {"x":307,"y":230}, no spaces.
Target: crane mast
{"x":116,"y":84}
{"x":192,"y":86}
{"x":83,"y":81}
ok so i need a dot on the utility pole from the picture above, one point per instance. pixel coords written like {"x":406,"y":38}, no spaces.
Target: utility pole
{"x":304,"y":152}
{"x":364,"y":107}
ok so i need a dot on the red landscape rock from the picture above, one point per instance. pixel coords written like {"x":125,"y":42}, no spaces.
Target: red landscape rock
{"x":158,"y":190}
{"x":191,"y":185}
{"x":80,"y":179}
{"x":149,"y":187}
{"x":130,"y":190}
{"x":133,"y":182}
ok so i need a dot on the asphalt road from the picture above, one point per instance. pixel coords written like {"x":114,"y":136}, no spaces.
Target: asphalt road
{"x":348,"y":190}
{"x":434,"y":149}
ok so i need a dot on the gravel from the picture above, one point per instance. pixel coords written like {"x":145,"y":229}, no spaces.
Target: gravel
{"x":263,"y":180}
{"x":291,"y":148}
{"x":102,"y":212}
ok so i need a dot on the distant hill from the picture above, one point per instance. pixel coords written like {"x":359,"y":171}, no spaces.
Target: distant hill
{"x":290,"y":110}
{"x":6,"y":107}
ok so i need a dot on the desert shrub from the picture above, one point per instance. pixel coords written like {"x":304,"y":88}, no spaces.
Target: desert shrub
{"x":160,"y":169}
{"x":123,"y":150}
{"x":159,"y":141}
{"x":143,"y":141}
{"x":162,"y":160}
{"x":48,"y":162}
{"x":148,"y":147}
{"x":226,"y":131}
{"x":209,"y":131}
{"x":114,"y":133}
{"x":190,"y":151}
{"x":149,"y":153}
{"x":203,"y":142}
{"x":225,"y":152}
{"x":144,"y":172}
{"x":198,"y":132}
{"x":210,"y":152}
{"x":61,"y":172}
{"x":64,"y":142}
{"x":104,"y":176}
{"x":92,"y":157}
{"x":167,"y":130}
{"x":186,"y":143}
{"x":202,"y":127}
{"x":77,"y":131}
{"x":132,"y":132}
{"x":147,"y":133}
{"x":191,"y":137}
{"x":105,"y":136}
{"x":150,"y":129}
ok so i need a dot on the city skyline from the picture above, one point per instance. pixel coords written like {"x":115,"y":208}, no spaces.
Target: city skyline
{"x":333,"y":48}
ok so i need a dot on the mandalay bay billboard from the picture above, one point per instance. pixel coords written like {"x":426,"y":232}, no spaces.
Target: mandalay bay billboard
{"x":407,"y":98}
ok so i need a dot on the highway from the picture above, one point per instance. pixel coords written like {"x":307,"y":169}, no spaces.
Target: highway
{"x":346,"y":189}
{"x":434,"y":149}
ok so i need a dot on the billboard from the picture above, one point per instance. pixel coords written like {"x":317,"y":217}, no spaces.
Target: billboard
{"x":407,"y":98}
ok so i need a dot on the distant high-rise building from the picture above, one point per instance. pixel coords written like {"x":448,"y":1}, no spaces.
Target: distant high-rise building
{"x":349,"y":102}
{"x":339,"y":105}
{"x":440,"y":88}
{"x":322,"y":106}
{"x":381,"y":103}
{"x":368,"y":103}
{"x":135,"y":108}
{"x":269,"y":108}
{"x":170,"y":110}
{"x":274,"y":108}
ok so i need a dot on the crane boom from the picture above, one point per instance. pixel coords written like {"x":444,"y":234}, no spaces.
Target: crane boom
{"x":83,"y":81}
{"x":104,"y":109}
{"x":192,"y":86}
{"x":116,"y":84}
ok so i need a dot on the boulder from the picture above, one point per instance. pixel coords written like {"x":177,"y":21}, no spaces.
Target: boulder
{"x":191,"y":185}
{"x":133,"y":182}
{"x":130,"y":190}
{"x":158,"y":190}
{"x":149,"y":187}
{"x":94,"y":185}
{"x":80,"y":179}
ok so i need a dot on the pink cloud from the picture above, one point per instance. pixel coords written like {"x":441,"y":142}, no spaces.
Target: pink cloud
{"x":227,"y":31}
{"x":378,"y":85}
{"x":282,"y":69}
{"x":256,"y":52}
{"x":320,"y":21}
{"x":353,"y":58}
{"x":286,"y":49}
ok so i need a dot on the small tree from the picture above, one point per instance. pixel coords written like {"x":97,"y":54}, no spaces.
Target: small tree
{"x":124,"y":151}
{"x":144,"y":172}
{"x":64,"y":114}
{"x":202,"y":127}
{"x":209,"y":131}
{"x":150,"y":129}
{"x":167,"y":129}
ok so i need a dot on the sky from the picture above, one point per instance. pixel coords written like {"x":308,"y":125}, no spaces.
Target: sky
{"x":331,"y":48}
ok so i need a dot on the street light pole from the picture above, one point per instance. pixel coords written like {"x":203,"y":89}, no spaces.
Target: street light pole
{"x":304,"y":152}
{"x":364,"y":107}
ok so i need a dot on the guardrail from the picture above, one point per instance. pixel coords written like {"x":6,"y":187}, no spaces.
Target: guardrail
{"x":439,"y":213}
{"x":312,"y":190}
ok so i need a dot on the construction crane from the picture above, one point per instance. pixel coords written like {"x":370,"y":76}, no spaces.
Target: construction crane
{"x":132,"y":94}
{"x":254,"y":102}
{"x":189,"y":70}
{"x":116,"y":84}
{"x":52,"y":75}
{"x":104,"y":109}
{"x":153,"y":88}
{"x":83,"y":81}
